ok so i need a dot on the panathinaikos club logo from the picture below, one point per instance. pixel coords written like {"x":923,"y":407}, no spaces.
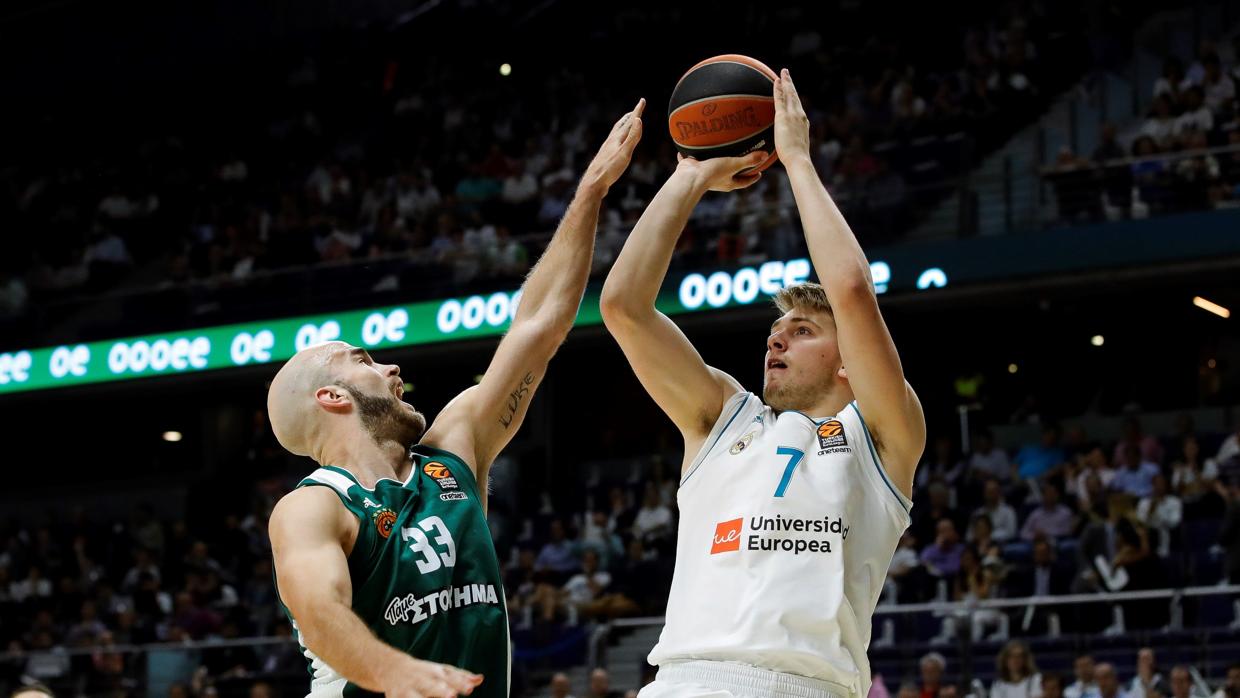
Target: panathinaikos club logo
{"x":384,"y":520}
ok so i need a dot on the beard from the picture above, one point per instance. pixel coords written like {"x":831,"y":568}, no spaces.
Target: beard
{"x":386,"y":419}
{"x":793,"y":395}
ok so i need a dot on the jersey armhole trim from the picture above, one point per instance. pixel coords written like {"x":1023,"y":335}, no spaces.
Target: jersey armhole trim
{"x":701,"y":457}
{"x":337,"y":481}
{"x":905,"y":504}
{"x":344,"y":498}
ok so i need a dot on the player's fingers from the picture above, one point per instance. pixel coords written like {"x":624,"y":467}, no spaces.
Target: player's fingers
{"x":619,"y":129}
{"x":740,"y":162}
{"x":441,"y":689}
{"x":442,"y":686}
{"x":779,"y":94}
{"x":755,"y":158}
{"x":790,"y":89}
{"x":720,"y":168}
{"x":745,"y":180}
{"x":463,"y":681}
{"x":794,"y":97}
{"x":634,"y":135}
{"x":625,"y":123}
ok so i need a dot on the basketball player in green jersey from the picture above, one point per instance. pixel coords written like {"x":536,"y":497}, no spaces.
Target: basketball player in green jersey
{"x":383,"y":558}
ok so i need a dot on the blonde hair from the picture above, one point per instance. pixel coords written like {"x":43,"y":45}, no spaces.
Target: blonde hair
{"x":807,"y":296}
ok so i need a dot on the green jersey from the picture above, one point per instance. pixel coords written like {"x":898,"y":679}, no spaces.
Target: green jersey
{"x":425,"y":576}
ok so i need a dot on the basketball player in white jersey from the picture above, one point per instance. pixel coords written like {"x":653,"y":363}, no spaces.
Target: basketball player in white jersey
{"x":791,"y":504}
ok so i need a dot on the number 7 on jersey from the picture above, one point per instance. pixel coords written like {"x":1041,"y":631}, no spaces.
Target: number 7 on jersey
{"x":794,"y":457}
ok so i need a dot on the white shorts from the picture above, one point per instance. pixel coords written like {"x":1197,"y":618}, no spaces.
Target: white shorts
{"x":705,"y":679}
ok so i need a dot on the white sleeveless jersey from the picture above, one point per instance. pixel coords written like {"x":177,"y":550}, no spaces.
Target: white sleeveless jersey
{"x":787,"y":527}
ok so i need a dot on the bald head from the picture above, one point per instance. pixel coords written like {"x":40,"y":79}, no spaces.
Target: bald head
{"x":291,"y":404}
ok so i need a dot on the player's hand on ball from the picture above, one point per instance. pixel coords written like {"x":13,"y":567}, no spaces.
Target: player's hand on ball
{"x":791,"y":123}
{"x":419,"y":679}
{"x":613,"y":157}
{"x":723,"y":174}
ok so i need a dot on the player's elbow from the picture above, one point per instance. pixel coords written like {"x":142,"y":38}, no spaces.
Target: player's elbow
{"x":543,"y":334}
{"x":611,"y":303}
{"x":554,"y":314}
{"x":314,"y":633}
{"x":618,"y":308}
{"x":850,"y":290}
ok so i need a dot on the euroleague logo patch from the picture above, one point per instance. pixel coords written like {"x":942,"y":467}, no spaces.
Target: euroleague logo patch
{"x":831,"y":434}
{"x":385,"y":519}
{"x":440,"y":474}
{"x":727,"y":536}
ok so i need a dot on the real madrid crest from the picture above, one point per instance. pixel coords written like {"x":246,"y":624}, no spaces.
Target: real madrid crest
{"x":742,"y":444}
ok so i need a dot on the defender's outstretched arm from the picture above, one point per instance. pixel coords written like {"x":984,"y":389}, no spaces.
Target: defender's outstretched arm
{"x":479,"y":422}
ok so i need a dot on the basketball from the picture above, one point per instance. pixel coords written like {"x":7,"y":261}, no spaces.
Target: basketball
{"x":724,"y":107}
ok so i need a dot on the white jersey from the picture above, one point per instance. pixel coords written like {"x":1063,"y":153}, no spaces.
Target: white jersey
{"x":787,"y":527}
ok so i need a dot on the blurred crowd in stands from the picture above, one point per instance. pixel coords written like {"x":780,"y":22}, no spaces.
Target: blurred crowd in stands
{"x":464,"y":184}
{"x":1018,"y":676}
{"x":1071,"y":515}
{"x":1183,"y":156}
{"x":1065,"y":514}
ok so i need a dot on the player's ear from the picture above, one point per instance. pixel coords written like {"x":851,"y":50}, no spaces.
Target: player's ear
{"x":333,"y":398}
{"x":842,"y":373}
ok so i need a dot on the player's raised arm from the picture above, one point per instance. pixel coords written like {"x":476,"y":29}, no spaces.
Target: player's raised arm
{"x":690,"y":392}
{"x":887,"y":402}
{"x":309,"y":531}
{"x":483,"y":419}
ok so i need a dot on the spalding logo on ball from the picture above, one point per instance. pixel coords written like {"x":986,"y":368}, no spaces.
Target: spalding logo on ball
{"x":724,"y":107}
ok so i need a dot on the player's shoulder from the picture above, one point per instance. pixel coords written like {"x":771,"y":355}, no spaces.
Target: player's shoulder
{"x":739,"y":408}
{"x":314,"y":507}
{"x":744,"y":400}
{"x":303,"y":498}
{"x":713,"y":410}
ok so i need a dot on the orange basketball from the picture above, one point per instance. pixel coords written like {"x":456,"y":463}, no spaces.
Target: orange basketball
{"x":724,"y":107}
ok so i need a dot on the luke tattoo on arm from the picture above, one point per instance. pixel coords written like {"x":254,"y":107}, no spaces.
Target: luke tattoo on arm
{"x":515,"y":398}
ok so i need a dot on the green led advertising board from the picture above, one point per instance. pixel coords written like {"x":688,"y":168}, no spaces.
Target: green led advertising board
{"x":248,"y":344}
{"x":911,"y":267}
{"x":256,"y":343}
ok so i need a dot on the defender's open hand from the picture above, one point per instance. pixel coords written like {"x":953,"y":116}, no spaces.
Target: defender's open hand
{"x":617,"y":150}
